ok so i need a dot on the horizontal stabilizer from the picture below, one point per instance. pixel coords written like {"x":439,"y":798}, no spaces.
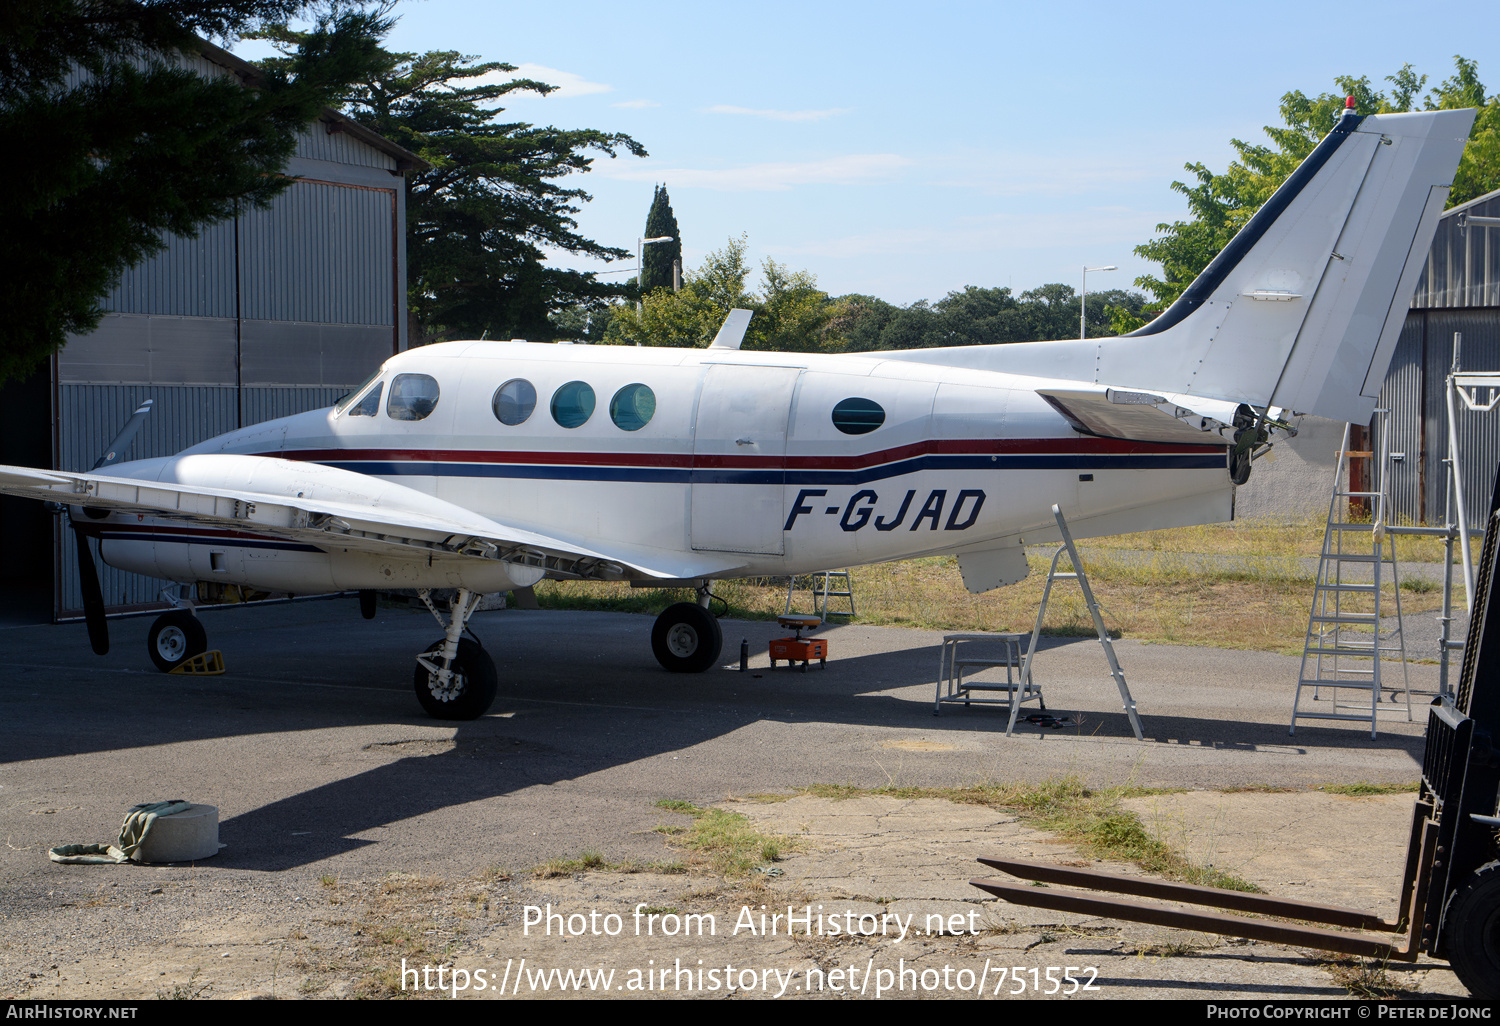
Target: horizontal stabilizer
{"x":1135,"y":416}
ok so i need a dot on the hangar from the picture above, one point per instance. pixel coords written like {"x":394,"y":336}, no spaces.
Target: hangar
{"x":275,"y":311}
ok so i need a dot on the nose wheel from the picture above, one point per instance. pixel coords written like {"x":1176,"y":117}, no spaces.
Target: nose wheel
{"x":175,"y":637}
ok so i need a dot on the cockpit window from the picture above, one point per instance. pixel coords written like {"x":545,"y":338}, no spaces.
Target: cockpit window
{"x":348,"y":397}
{"x":514,"y":401}
{"x":413,"y":397}
{"x":573,"y":404}
{"x":369,"y":406}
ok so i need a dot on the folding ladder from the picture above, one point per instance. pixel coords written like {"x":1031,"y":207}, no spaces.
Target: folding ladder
{"x":1344,"y":645}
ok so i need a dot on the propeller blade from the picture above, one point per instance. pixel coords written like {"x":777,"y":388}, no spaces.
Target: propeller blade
{"x":93,"y":596}
{"x":122,"y":441}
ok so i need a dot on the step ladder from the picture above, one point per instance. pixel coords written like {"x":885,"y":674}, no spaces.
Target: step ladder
{"x":822,"y":586}
{"x":1345,"y":645}
{"x":1074,"y":574}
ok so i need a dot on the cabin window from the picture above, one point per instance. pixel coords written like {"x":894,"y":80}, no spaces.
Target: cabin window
{"x":514,"y":401}
{"x":858,"y":416}
{"x":573,"y":404}
{"x":413,"y":397}
{"x":632,"y":407}
{"x":369,"y":405}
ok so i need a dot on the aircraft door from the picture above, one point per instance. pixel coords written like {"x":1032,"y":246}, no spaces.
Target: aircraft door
{"x":739,"y":458}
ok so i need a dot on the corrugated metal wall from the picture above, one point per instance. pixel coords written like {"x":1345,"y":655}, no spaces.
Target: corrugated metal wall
{"x":319,"y":253}
{"x":1463,"y":265}
{"x":1414,"y":392}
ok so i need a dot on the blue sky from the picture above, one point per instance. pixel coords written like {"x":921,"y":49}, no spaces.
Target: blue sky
{"x":907,"y":150}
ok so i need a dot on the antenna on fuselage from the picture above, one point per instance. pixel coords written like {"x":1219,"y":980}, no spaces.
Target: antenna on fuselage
{"x":732,"y":331}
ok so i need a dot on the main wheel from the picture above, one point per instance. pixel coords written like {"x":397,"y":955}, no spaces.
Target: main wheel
{"x":1472,"y":932}
{"x":470,"y":690}
{"x":686,"y":638}
{"x":175,"y":637}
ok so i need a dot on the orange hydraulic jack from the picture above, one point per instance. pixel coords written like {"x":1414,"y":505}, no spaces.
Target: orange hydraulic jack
{"x":799,"y":649}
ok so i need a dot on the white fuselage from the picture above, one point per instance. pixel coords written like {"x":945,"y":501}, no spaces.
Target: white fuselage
{"x":741,"y":464}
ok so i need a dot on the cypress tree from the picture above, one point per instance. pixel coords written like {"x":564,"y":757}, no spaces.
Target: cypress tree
{"x":657,"y":260}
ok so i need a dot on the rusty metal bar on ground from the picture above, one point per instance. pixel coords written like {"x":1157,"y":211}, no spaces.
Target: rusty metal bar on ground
{"x":1419,"y":863}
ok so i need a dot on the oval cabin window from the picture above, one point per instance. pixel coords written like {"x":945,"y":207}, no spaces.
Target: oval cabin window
{"x":632,"y":407}
{"x":413,"y":397}
{"x":573,"y":404}
{"x":858,"y":416}
{"x":514,"y":401}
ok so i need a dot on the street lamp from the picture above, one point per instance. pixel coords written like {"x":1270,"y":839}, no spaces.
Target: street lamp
{"x":1083,"y":324}
{"x":640,"y":261}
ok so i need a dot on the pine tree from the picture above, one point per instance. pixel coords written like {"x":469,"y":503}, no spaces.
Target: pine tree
{"x":138,"y":145}
{"x":657,"y":259}
{"x":478,"y":219}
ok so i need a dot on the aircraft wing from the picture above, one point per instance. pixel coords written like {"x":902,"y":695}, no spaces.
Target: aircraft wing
{"x":1142,"y":416}
{"x":332,"y":508}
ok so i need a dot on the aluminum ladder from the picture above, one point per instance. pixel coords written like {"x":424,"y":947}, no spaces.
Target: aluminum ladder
{"x":1345,"y":645}
{"x":1076,"y":574}
{"x":821,"y":585}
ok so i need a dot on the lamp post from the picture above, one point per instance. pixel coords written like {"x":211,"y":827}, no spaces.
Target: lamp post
{"x":1083,"y":323}
{"x":640,"y":261}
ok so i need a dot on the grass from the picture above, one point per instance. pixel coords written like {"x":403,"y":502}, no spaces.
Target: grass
{"x":1091,"y":819}
{"x":1241,"y":586}
{"x":1364,"y":789}
{"x":593,"y":860}
{"x":726,"y":842}
{"x":1366,"y":978}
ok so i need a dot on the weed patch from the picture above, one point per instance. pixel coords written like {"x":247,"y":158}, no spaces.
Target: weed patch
{"x":726,"y":841}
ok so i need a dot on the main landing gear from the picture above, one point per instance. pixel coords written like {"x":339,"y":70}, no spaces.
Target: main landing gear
{"x":686,"y":637}
{"x":455,"y":678}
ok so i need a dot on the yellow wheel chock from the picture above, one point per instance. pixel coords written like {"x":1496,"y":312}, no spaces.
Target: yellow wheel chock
{"x":205,"y":664}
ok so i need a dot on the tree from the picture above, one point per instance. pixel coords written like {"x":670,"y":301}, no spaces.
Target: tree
{"x":1220,"y":205}
{"x":657,"y":260}
{"x":789,"y":315}
{"x":478,"y":220}
{"x":138,"y":146}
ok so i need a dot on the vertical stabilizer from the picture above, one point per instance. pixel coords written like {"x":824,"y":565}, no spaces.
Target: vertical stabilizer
{"x":1303,"y":308}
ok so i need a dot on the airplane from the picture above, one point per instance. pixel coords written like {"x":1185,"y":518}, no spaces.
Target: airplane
{"x":483,"y":466}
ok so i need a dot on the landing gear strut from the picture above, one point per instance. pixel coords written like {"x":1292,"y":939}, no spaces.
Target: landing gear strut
{"x":455,"y":678}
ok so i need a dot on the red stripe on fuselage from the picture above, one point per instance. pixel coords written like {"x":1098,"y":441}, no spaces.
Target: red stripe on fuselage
{"x":859,"y":461}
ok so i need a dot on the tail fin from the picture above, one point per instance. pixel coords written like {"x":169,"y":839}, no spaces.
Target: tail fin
{"x":1303,"y":308}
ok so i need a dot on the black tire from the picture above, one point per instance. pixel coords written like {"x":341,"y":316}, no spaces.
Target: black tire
{"x":368,"y":602}
{"x":1239,"y":466}
{"x":1471,"y":932}
{"x":472,"y":689}
{"x":174,"y":639}
{"x":686,"y":638}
